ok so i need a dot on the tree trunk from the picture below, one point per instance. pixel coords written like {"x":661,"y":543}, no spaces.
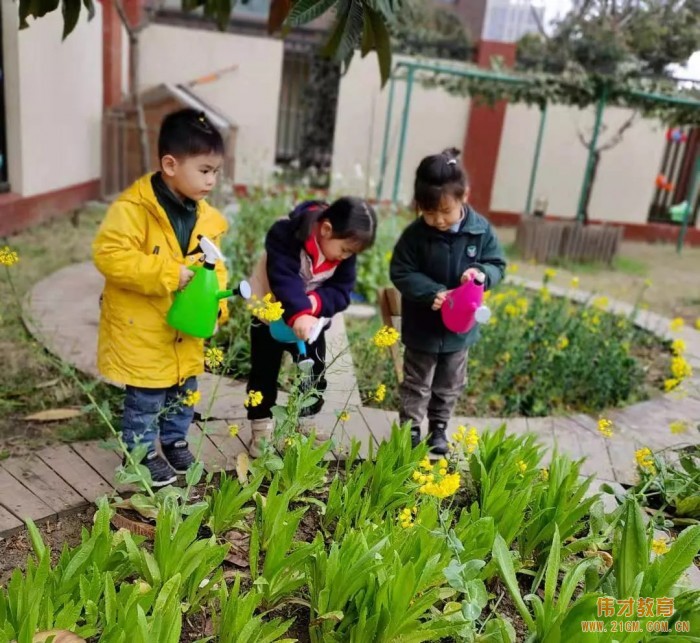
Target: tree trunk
{"x":589,"y":190}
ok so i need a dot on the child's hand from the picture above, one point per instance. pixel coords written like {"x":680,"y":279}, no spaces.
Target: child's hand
{"x":469,"y":274}
{"x":439,"y":300}
{"x":185,"y":277}
{"x":303,"y":326}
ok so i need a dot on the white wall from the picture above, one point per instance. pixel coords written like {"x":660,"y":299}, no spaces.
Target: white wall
{"x":436,"y":121}
{"x":625,"y":182}
{"x":54,"y":101}
{"x":249,"y":96}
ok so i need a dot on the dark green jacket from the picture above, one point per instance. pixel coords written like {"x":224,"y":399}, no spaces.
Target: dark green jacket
{"x":427,"y":261}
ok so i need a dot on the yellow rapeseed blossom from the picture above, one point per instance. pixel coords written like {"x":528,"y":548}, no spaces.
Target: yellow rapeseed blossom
{"x":265,"y":309}
{"x":407,"y":517}
{"x":647,"y":283}
{"x":254,"y":398}
{"x":670,"y":384}
{"x":605,"y":427}
{"x":697,"y":323}
{"x":544,"y":474}
{"x":343,"y":416}
{"x":213,"y":357}
{"x":444,"y":488}
{"x":680,"y":369}
{"x":601,"y":302}
{"x":387,"y":256}
{"x":575,"y":282}
{"x":192,"y":398}
{"x":8,"y":257}
{"x":679,"y":426}
{"x":522,"y":466}
{"x":386,"y":336}
{"x":562,"y":342}
{"x":550,"y":273}
{"x":512,"y":268}
{"x":678,"y":347}
{"x":426,"y":464}
{"x":645,"y":460}
{"x":676,"y":324}
{"x":487,"y":295}
{"x":380,"y":393}
{"x":659,"y":546}
{"x":233,"y":430}
{"x":545,"y":294}
{"x":468,"y":439}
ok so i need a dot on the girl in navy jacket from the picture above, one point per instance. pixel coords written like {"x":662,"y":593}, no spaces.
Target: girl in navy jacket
{"x":309,"y":267}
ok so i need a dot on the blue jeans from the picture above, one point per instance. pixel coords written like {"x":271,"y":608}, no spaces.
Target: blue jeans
{"x":150,"y":412}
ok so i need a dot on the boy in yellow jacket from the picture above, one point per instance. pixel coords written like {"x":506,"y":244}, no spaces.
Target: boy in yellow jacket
{"x":144,"y":248}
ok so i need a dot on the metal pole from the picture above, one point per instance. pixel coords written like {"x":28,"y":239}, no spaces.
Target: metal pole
{"x":591,"y":152}
{"x":385,"y":143}
{"x":402,"y":137}
{"x":536,"y":159}
{"x":689,"y":211}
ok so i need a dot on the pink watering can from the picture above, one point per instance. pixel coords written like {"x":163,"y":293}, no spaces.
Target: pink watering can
{"x":463,"y":306}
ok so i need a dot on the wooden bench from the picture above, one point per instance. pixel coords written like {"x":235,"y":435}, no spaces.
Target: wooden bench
{"x":390,"y":308}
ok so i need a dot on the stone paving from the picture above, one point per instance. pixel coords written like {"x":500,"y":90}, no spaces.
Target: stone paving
{"x":62,"y":312}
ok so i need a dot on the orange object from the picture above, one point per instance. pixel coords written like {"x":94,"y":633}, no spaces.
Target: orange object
{"x":668,"y":187}
{"x":661,"y":182}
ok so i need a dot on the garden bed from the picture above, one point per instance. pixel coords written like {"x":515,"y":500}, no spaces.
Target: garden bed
{"x":539,"y":356}
{"x":310,"y":550}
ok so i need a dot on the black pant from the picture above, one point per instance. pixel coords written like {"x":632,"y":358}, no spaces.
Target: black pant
{"x":266,"y":361}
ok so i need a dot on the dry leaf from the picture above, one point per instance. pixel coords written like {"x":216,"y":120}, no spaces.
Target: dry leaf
{"x":236,"y":559}
{"x":48,"y":384}
{"x":54,"y":415}
{"x":242,"y":463}
{"x":59,"y":636}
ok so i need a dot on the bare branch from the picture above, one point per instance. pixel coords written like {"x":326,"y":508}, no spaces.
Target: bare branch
{"x":617,"y":138}
{"x":583,"y":140}
{"x":130,"y":31}
{"x":538,"y":21}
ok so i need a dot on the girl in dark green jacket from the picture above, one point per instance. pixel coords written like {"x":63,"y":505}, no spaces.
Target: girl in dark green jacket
{"x":448,"y":244}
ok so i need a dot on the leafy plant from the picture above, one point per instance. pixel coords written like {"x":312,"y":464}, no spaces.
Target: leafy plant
{"x":303,"y":469}
{"x":238,"y":623}
{"x":283,"y":568}
{"x":226,"y":505}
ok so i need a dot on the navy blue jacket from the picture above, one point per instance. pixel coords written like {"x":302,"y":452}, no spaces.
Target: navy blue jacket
{"x":284,"y":244}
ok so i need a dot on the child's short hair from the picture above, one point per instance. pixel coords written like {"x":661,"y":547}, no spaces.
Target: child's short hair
{"x":352,"y":218}
{"x":437,"y":176}
{"x":188,"y":132}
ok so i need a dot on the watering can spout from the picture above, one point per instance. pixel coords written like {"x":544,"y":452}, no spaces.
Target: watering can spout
{"x":244,"y":291}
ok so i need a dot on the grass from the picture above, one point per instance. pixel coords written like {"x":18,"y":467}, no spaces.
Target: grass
{"x":33,"y":380}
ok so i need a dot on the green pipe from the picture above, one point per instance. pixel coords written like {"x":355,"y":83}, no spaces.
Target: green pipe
{"x":591,"y":152}
{"x":536,"y":159}
{"x":385,"y":143}
{"x":466,"y":73}
{"x":661,"y":98}
{"x":402,"y":138}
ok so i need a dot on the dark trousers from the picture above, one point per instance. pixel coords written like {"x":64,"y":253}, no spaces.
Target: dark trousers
{"x":151,"y":413}
{"x":266,"y":360}
{"x":432,"y":384}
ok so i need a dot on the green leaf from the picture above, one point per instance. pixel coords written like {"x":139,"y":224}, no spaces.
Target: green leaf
{"x":307,"y":11}
{"x":71,"y":13}
{"x":505,"y":566}
{"x":381,"y":43}
{"x":676,"y":561}
{"x":632,"y":556}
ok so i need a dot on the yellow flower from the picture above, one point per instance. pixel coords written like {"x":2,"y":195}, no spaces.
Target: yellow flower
{"x":645,"y":460}
{"x":416,"y":476}
{"x":442,"y":463}
{"x":544,"y":474}
{"x":659,"y":546}
{"x":679,"y":426}
{"x":510,"y":310}
{"x":678,"y":347}
{"x":522,"y":466}
{"x":265,"y":309}
{"x":406,"y":517}
{"x":670,"y":384}
{"x":343,"y":416}
{"x":512,"y":268}
{"x":446,"y":487}
{"x":487,"y":295}
{"x":442,"y":472}
{"x":425,"y":464}
{"x":595,"y":320}
{"x":605,"y":427}
{"x":233,"y":430}
{"x":550,"y":273}
{"x":289,"y":442}
{"x":697,"y":323}
{"x":380,"y":393}
{"x":385,"y":337}
{"x":600,"y":302}
{"x":213,"y":357}
{"x":254,"y":398}
{"x":8,"y":257}
{"x":676,"y":324}
{"x":192,"y":398}
{"x":680,"y":369}
{"x":544,"y":294}
{"x":562,"y":342}
{"x":469,"y":439}
{"x":574,"y":282}
{"x":387,"y":256}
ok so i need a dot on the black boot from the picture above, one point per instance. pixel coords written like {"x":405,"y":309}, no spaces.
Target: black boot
{"x":415,"y":436}
{"x":437,"y":438}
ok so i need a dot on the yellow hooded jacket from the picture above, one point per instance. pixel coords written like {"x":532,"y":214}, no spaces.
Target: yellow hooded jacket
{"x":138,"y":253}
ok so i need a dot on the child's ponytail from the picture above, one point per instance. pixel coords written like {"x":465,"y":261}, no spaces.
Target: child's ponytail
{"x":439,"y":175}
